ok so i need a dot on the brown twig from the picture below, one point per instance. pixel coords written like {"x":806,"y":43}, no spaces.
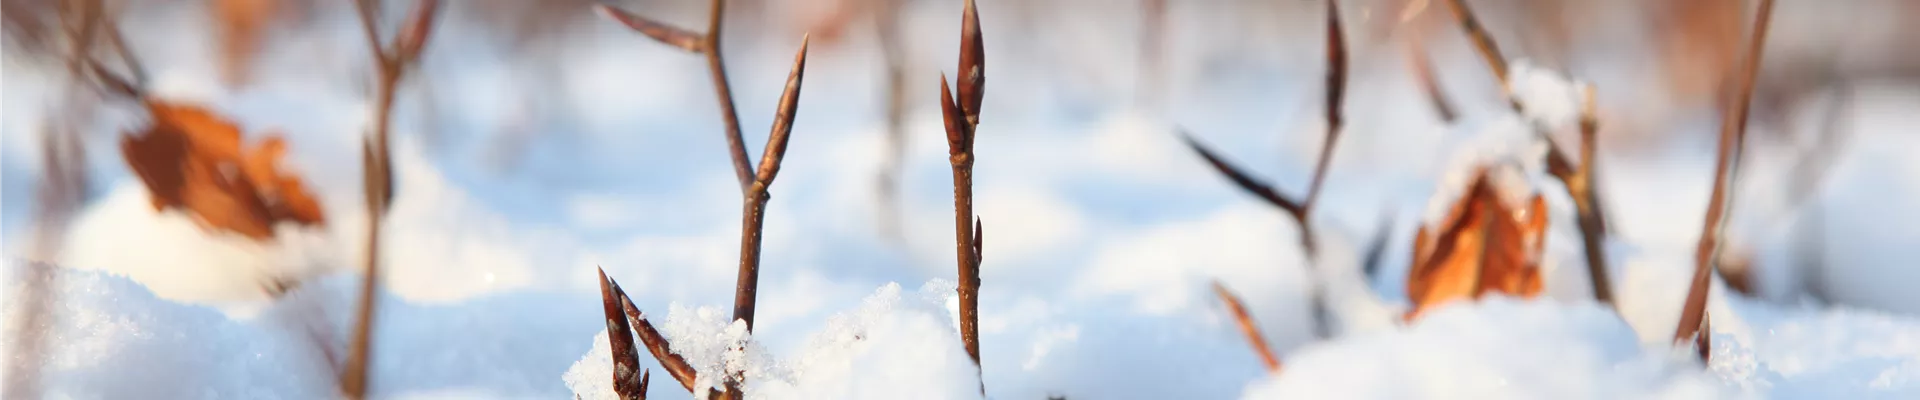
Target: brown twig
{"x":1578,"y":179}
{"x":756,"y":200}
{"x":708,"y":45}
{"x":657,"y":345}
{"x":1429,"y":82}
{"x":1247,"y":327}
{"x":391,"y":62}
{"x":888,"y":34}
{"x":1301,"y":210}
{"x":1579,"y":182}
{"x":961,"y":116}
{"x":1482,"y":41}
{"x":1732,"y":133}
{"x":626,"y":360}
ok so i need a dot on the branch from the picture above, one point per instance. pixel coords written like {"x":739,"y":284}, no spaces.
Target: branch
{"x":961,"y":116}
{"x":626,"y":360}
{"x":1732,"y":133}
{"x":660,"y":32}
{"x":708,"y":45}
{"x":390,"y":62}
{"x":1301,"y":210}
{"x":747,"y":288}
{"x":1248,"y":328}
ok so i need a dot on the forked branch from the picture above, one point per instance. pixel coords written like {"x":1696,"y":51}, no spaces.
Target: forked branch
{"x":1302,"y":209}
{"x":707,"y":44}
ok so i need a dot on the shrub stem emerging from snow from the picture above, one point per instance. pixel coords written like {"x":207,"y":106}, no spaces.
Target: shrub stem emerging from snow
{"x":961,"y":116}
{"x":1578,"y":179}
{"x":390,"y":62}
{"x":1732,"y":133}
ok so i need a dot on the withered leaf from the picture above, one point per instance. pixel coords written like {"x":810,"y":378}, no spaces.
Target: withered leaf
{"x":192,"y":160}
{"x":1483,"y":245}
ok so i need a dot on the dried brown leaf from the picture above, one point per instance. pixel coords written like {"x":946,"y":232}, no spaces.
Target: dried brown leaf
{"x":1483,"y":246}
{"x":192,"y":160}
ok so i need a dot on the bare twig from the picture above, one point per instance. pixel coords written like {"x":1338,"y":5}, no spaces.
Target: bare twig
{"x":391,"y":62}
{"x":708,"y":45}
{"x":657,"y":345}
{"x":888,"y":33}
{"x":620,"y":340}
{"x":1247,"y":327}
{"x":961,"y":116}
{"x":1732,"y":132}
{"x":1579,"y":182}
{"x":1429,"y":83}
{"x":1301,"y":210}
{"x":1482,"y":41}
{"x":756,"y":200}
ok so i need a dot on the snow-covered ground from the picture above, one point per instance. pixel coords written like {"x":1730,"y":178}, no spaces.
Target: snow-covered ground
{"x":1103,"y":230}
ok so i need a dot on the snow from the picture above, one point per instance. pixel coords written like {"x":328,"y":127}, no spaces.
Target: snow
{"x":1103,"y":232}
{"x":894,"y":345}
{"x":1498,"y":348}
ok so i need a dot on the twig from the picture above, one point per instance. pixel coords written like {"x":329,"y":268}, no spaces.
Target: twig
{"x":1592,"y":220}
{"x":888,"y":34}
{"x":961,"y":116}
{"x":626,"y":360}
{"x":1732,"y":133}
{"x":754,"y":215}
{"x":676,"y":366}
{"x":1429,"y":83}
{"x":1579,"y":182}
{"x":1248,"y":328}
{"x":390,"y":62}
{"x":708,"y":45}
{"x":1482,"y":41}
{"x":1301,"y":210}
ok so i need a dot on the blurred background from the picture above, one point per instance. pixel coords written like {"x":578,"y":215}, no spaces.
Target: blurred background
{"x":538,"y":141}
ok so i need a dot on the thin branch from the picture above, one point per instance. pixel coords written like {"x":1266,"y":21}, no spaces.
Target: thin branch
{"x":1336,"y":92}
{"x":1301,"y":210}
{"x":1482,"y":41}
{"x":1422,"y":66}
{"x":1732,"y":133}
{"x":708,"y":45}
{"x":659,"y":31}
{"x":626,"y":359}
{"x":961,"y":116}
{"x":756,"y":199}
{"x":1247,"y":327}
{"x":1243,"y":180}
{"x":676,"y":366}
{"x":390,"y":62}
{"x":1579,"y":181}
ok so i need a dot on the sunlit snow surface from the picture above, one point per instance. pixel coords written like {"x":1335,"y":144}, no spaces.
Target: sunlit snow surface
{"x":1102,"y":230}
